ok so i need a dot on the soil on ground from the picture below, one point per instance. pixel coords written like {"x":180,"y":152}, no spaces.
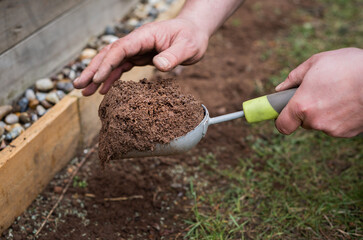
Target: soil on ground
{"x":136,"y":116}
{"x":156,"y":204}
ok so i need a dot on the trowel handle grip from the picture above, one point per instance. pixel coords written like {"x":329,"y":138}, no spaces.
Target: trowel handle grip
{"x":267,"y":107}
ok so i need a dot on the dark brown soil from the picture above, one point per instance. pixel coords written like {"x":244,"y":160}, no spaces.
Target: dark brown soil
{"x":230,"y":73}
{"x":138,"y":115}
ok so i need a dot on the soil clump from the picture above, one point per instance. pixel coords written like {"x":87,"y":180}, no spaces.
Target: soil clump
{"x":138,"y":115}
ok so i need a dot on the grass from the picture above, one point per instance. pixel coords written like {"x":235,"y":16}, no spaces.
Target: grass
{"x":304,"y":186}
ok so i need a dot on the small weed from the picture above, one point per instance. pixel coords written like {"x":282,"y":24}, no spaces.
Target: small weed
{"x":77,"y":182}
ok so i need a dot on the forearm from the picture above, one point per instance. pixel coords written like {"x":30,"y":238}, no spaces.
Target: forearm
{"x":209,"y":15}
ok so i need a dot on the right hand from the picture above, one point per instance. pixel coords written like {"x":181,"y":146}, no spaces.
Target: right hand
{"x":164,"y":44}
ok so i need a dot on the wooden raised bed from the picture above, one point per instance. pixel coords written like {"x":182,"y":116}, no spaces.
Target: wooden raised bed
{"x":35,"y":156}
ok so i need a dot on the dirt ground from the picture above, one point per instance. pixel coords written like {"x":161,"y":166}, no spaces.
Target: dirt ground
{"x":157,"y":205}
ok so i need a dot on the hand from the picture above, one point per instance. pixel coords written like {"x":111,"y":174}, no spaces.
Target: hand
{"x":329,"y":97}
{"x":164,"y":44}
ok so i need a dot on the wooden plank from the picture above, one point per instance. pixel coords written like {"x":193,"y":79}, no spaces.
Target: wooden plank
{"x":53,"y":46}
{"x":19,"y":19}
{"x":37,"y":155}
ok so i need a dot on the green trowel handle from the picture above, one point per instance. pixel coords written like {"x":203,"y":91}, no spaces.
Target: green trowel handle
{"x":266,"y":107}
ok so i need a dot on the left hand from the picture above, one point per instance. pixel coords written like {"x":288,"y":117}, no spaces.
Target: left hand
{"x":330,"y":94}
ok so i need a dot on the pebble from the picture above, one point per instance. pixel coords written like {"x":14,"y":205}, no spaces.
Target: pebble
{"x":132,"y":23}
{"x":11,"y":119}
{"x":5,"y":110}
{"x":40,"y":110}
{"x":66,"y":71}
{"x":92,"y":43}
{"x":15,"y":132}
{"x":109,"y":39}
{"x":27,"y":125}
{"x":65,"y":86}
{"x":72,"y":74}
{"x":46,"y":104}
{"x":153,"y":12}
{"x":29,"y":94}
{"x":60,"y":94}
{"x":23,"y":104}
{"x":142,"y":11}
{"x":24,"y":117}
{"x":2,"y":124}
{"x":34,"y":117}
{"x":44,"y":85}
{"x":52,"y":98}
{"x":161,"y":6}
{"x":33,"y":103}
{"x":86,"y":62}
{"x":88,"y":53}
{"x":41,"y":96}
{"x":2,"y":130}
{"x":110,"y":30}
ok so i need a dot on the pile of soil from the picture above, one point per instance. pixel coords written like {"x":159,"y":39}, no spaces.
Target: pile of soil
{"x":138,"y":115}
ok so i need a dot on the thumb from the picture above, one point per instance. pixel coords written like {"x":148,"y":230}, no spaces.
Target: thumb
{"x":173,"y":56}
{"x":289,"y":119}
{"x":295,"y":77}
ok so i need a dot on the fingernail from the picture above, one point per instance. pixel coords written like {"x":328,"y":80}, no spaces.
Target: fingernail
{"x":76,"y":80}
{"x":95,"y":77}
{"x":162,"y":62}
{"x":279,"y":86}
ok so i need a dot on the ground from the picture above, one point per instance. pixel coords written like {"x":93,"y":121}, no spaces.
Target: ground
{"x":242,"y":181}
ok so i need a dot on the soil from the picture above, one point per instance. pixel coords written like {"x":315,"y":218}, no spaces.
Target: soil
{"x":155,"y":204}
{"x":139,"y":115}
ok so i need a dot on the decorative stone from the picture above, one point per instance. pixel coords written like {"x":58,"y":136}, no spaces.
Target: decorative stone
{"x":110,"y":30}
{"x":86,"y":62}
{"x":132,"y":23}
{"x":15,"y":132}
{"x":141,"y":11}
{"x":109,"y":39}
{"x":66,"y":71}
{"x":23,"y":104}
{"x":46,"y":104}
{"x":44,"y":85}
{"x":65,"y":86}
{"x":11,"y":119}
{"x":88,"y":53}
{"x":60,"y":94}
{"x":33,"y":103}
{"x":72,"y":75}
{"x":24,"y":117}
{"x":5,"y":110}
{"x":34,"y":117}
{"x":40,"y":110}
{"x":2,"y":124}
{"x":27,"y":125}
{"x":153,"y":12}
{"x":29,"y":94}
{"x":41,"y":96}
{"x":52,"y":97}
{"x":2,"y":130}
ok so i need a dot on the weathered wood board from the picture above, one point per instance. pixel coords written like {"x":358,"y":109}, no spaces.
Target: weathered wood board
{"x":36,"y":155}
{"x":19,"y":19}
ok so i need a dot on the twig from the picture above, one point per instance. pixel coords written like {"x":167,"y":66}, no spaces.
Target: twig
{"x":327,"y":219}
{"x":93,"y":149}
{"x":91,"y":195}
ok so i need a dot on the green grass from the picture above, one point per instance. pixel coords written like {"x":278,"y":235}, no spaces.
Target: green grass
{"x":304,"y":186}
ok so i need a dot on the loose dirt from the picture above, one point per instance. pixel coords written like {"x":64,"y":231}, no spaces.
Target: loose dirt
{"x":232,"y":71}
{"x":138,"y":115}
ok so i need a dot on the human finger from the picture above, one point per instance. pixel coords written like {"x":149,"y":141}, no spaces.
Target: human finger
{"x":87,"y":75}
{"x":115,"y":74}
{"x":173,"y":56}
{"x":296,"y":76}
{"x":90,"y":89}
{"x":290,"y":118}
